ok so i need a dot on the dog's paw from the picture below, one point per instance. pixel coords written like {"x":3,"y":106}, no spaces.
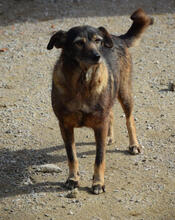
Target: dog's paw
{"x":110,"y":141}
{"x":97,"y":189}
{"x":71,"y":184}
{"x":135,"y":149}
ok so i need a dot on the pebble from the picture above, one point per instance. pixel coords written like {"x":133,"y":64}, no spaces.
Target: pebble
{"x":83,"y":156}
{"x":70,"y":213}
{"x":116,"y":190}
{"x":157,"y":62}
{"x":47,"y":168}
{"x":8,"y":132}
{"x":171,"y":86}
{"x":61,"y":195}
{"x":73,"y":194}
{"x":28,"y":182}
{"x":96,"y":218}
{"x":75,"y":201}
{"x":148,"y":127}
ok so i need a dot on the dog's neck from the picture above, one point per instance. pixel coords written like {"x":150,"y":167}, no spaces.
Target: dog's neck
{"x":68,"y":76}
{"x":76,"y":73}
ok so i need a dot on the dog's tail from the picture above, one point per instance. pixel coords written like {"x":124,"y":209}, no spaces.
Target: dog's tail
{"x":140,"y":22}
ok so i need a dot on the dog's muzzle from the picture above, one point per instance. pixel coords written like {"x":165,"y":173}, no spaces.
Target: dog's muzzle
{"x":96,"y":57}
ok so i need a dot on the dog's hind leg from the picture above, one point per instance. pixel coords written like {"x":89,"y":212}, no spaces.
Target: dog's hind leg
{"x":125,"y":99}
{"x":99,"y":167}
{"x":68,"y":137}
{"x":110,"y":138}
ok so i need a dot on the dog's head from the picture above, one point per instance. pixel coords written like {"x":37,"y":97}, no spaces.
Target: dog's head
{"x":82,"y":44}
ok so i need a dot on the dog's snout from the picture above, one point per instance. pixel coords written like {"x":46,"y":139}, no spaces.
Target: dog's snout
{"x":96,"y":56}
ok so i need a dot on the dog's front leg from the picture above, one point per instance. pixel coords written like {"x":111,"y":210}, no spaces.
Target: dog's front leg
{"x":99,"y":167}
{"x":68,"y":137}
{"x":110,"y":138}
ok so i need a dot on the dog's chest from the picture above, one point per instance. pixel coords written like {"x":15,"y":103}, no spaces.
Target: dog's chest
{"x":80,"y":91}
{"x":79,"y":104}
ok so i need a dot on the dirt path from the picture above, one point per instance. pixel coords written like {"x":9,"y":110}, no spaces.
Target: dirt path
{"x":138,"y":187}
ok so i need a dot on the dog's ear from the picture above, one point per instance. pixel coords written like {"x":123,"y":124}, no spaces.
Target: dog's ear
{"x":58,"y":40}
{"x":106,"y":37}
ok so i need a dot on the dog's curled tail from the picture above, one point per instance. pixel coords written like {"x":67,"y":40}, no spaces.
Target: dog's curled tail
{"x":140,"y":22}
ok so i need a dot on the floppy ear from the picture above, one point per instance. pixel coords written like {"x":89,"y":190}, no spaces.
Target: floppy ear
{"x":58,"y":40}
{"x":107,"y":37}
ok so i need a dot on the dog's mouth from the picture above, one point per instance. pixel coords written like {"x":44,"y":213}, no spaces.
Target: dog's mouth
{"x":89,"y":59}
{"x":89,"y":62}
{"x":93,"y":61}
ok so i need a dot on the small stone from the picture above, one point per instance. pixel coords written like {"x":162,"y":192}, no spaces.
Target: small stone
{"x":171,"y":86}
{"x":96,"y":218}
{"x":70,"y":213}
{"x":8,"y":132}
{"x":116,"y":190}
{"x":83,"y":156}
{"x":73,"y":193}
{"x":28,"y":182}
{"x":47,"y":168}
{"x":61,"y":195}
{"x":148,"y":127}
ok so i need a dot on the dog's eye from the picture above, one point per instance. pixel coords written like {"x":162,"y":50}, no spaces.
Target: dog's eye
{"x":79,"y":43}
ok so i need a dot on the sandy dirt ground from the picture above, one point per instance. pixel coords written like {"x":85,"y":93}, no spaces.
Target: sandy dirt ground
{"x":137,"y":187}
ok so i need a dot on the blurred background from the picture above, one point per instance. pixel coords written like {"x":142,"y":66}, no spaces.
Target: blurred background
{"x":14,"y":11}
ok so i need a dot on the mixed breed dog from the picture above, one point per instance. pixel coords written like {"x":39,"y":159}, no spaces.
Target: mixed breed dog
{"x":93,"y":70}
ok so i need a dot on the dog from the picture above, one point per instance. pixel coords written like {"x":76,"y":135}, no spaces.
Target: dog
{"x":93,"y":70}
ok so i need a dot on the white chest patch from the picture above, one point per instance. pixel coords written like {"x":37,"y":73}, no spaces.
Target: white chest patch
{"x":89,"y":75}
{"x":85,"y":108}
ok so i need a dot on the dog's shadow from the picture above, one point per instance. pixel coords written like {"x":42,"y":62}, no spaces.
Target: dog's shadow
{"x":14,"y":169}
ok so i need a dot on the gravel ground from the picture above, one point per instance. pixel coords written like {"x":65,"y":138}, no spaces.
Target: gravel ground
{"x":138,"y":187}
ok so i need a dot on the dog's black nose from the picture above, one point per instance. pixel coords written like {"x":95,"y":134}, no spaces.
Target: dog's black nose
{"x":96,"y":56}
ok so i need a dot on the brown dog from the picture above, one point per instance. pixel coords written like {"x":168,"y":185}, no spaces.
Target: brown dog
{"x":93,"y":70}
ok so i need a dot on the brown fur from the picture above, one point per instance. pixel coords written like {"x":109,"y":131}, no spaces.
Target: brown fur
{"x":93,"y":70}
